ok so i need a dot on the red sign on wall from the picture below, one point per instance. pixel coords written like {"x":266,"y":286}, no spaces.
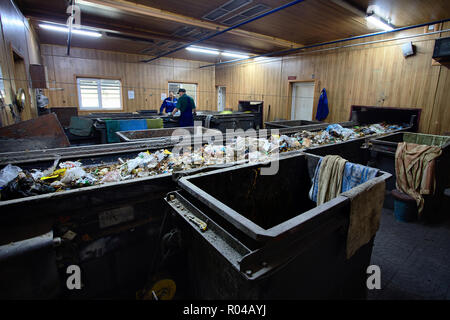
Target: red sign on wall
{"x":292,"y":77}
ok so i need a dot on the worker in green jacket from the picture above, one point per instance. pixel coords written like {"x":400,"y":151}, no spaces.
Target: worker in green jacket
{"x":186,"y":105}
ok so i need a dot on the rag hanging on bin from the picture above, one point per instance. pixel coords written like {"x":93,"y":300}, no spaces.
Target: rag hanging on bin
{"x":335,"y":175}
{"x":414,"y":170}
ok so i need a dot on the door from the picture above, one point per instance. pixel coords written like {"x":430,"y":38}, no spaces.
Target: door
{"x":302,"y":100}
{"x":21,"y":81}
{"x":221,"y":98}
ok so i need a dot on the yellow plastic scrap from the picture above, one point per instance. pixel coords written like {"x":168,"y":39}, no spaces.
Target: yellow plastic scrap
{"x":202,"y":225}
{"x":167,"y":152}
{"x":56,"y":174}
{"x":147,"y":152}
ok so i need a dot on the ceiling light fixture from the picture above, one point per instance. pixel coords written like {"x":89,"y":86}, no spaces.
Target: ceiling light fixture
{"x":217,"y":52}
{"x":379,"y":22}
{"x":74,"y":31}
{"x":235,"y":55}
{"x":202,"y":50}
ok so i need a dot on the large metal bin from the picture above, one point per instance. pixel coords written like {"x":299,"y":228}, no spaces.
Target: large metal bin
{"x":116,"y":227}
{"x":100,"y":124}
{"x":357,"y":150}
{"x":79,"y":152}
{"x":382,"y":155}
{"x":408,"y":117}
{"x":353,"y":150}
{"x":360,"y":115}
{"x":148,"y":112}
{"x":110,"y":115}
{"x":253,"y":106}
{"x":164,"y":135}
{"x":233,"y":121}
{"x":265,"y":239}
{"x":290,"y":123}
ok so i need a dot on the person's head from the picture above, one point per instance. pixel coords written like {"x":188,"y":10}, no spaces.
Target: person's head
{"x":181,"y":92}
{"x":171,"y":94}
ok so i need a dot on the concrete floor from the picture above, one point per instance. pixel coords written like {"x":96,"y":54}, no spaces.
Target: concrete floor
{"x":414,"y":259}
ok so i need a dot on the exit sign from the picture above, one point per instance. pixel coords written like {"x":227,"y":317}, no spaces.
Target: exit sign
{"x":292,"y":77}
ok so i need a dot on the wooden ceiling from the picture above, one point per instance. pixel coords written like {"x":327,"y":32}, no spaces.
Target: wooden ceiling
{"x":154,"y":26}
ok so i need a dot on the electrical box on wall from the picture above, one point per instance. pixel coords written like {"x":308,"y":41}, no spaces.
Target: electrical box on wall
{"x":408,"y":49}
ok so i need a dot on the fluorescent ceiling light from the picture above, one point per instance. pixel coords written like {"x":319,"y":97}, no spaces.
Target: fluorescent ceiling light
{"x":379,"y":23}
{"x":235,"y":55}
{"x":261,"y":59}
{"x":216,"y":52}
{"x":202,"y":50}
{"x":74,"y":31}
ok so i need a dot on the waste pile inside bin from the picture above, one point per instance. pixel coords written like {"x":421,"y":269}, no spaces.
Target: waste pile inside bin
{"x":105,"y":208}
{"x":382,"y":155}
{"x":365,"y":122}
{"x":253,"y":236}
{"x":119,"y":184}
{"x":64,"y":176}
{"x":406,"y":117}
{"x":346,"y":140}
{"x":105,"y":202}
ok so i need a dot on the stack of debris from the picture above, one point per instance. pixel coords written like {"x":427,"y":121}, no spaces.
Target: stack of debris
{"x":17,"y":183}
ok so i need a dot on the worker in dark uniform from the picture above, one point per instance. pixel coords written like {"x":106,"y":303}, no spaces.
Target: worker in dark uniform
{"x":169,"y":103}
{"x":186,"y":105}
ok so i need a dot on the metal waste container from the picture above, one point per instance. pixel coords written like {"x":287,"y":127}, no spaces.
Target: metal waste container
{"x":164,"y":135}
{"x":382,"y":156}
{"x":233,"y":121}
{"x":265,"y":239}
{"x":109,"y":230}
{"x":290,"y":123}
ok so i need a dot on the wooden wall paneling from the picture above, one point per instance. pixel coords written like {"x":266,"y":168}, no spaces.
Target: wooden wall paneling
{"x":373,"y":74}
{"x":440,"y":118}
{"x":147,"y":80}
{"x":439,"y":122}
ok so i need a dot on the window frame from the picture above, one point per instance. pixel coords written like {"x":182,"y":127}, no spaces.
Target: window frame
{"x":98,"y":78}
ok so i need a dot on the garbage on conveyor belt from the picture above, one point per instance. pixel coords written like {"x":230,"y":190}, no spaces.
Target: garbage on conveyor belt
{"x":15,"y":183}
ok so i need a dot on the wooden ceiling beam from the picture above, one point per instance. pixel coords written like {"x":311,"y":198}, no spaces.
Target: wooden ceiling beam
{"x":100,"y":26}
{"x":143,"y":10}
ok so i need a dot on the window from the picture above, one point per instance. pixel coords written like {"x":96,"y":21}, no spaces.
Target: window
{"x":191,"y":89}
{"x":99,"y":93}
